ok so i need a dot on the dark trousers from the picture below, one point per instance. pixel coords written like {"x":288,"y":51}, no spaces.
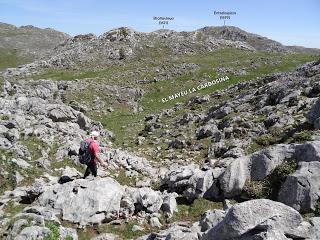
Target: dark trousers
{"x":91,"y":168}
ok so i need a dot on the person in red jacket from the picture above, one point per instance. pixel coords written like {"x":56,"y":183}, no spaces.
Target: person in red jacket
{"x":94,"y":150}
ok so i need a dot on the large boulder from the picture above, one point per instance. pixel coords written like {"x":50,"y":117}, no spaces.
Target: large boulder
{"x":254,"y":217}
{"x":211,"y":218}
{"x":85,"y":201}
{"x":234,"y":177}
{"x":265,"y":161}
{"x":33,"y":232}
{"x":169,"y":205}
{"x":132,"y":162}
{"x":258,"y":166}
{"x":301,"y":190}
{"x":150,"y":200}
{"x":207,"y":131}
{"x":203,"y":184}
{"x":61,"y":113}
{"x":314,"y":114}
{"x":307,"y":152}
{"x":192,"y":182}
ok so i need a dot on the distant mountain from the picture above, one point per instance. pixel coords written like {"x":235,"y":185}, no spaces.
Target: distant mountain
{"x":26,"y":43}
{"x":94,"y":51}
{"x":125,"y":42}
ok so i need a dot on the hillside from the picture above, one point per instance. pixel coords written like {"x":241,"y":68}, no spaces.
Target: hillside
{"x":235,"y":158}
{"x":19,"y":45}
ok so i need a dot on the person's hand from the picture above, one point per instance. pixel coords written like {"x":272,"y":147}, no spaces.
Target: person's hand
{"x":103,"y":164}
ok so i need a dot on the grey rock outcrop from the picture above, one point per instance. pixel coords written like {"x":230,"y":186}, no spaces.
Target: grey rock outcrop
{"x":314,"y":114}
{"x":315,"y":229}
{"x":257,"y":216}
{"x":34,"y":232}
{"x":301,"y":190}
{"x":211,"y":218}
{"x":82,"y":201}
{"x":192,"y":182}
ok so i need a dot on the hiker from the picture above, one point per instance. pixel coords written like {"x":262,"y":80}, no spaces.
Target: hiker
{"x":93,"y":150}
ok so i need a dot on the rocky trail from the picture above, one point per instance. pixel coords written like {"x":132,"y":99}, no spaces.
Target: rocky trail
{"x":240,"y":162}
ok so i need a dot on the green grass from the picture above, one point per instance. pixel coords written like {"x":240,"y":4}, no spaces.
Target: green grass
{"x":317,"y":208}
{"x":7,"y":182}
{"x":117,"y":123}
{"x":11,"y":209}
{"x":124,"y":230}
{"x":151,"y":102}
{"x":123,"y":179}
{"x":66,"y":162}
{"x":54,"y":228}
{"x":302,"y":136}
{"x":55,"y":234}
{"x":155,"y":91}
{"x":9,"y":58}
{"x":34,"y":145}
{"x":193,"y":212}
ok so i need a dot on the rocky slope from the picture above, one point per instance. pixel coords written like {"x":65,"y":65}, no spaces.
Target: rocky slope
{"x":94,"y":52}
{"x":239,"y":160}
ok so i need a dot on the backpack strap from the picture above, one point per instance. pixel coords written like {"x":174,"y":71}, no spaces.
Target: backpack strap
{"x":92,"y":156}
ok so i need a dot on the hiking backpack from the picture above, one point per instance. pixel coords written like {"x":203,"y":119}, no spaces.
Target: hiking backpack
{"x":84,"y":154}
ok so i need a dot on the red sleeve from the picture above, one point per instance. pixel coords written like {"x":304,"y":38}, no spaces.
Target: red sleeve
{"x":94,"y":147}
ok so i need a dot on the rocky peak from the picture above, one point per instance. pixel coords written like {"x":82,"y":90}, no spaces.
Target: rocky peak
{"x":119,"y":34}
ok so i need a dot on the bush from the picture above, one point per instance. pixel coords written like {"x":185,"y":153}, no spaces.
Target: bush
{"x":317,"y":209}
{"x":266,"y":140}
{"x":302,"y":137}
{"x":54,"y":235}
{"x":256,"y":189}
{"x":270,"y":186}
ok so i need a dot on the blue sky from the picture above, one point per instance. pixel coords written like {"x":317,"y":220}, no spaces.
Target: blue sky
{"x":292,"y":22}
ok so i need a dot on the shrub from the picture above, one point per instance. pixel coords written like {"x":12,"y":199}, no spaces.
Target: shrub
{"x":266,"y":140}
{"x":270,"y":186}
{"x":317,"y":208}
{"x":256,"y":189}
{"x":302,"y":136}
{"x":54,"y":235}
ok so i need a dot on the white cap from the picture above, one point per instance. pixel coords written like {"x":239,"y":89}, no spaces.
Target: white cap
{"x":94,"y":134}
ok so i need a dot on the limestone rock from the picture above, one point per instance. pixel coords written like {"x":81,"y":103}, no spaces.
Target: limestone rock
{"x":85,"y":201}
{"x":261,"y":215}
{"x":301,"y":189}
